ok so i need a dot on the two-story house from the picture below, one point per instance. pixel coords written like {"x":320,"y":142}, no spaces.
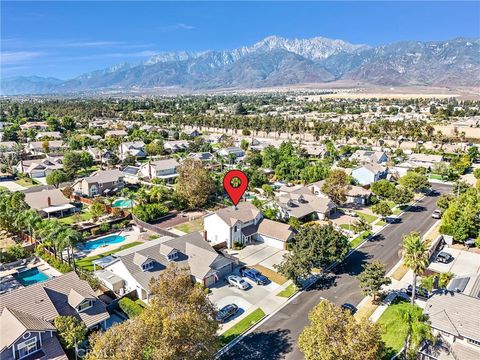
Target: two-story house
{"x":132,"y":148}
{"x":101,"y":182}
{"x":369,"y":173}
{"x":304,"y":204}
{"x":175,"y":146}
{"x":243,"y":224}
{"x":27,"y":317}
{"x":369,"y":156}
{"x":165,"y":169}
{"x":40,"y":167}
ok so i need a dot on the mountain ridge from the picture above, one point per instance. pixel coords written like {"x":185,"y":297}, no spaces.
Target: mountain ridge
{"x":277,"y":61}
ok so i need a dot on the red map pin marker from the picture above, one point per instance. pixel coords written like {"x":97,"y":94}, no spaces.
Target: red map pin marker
{"x":235,"y":193}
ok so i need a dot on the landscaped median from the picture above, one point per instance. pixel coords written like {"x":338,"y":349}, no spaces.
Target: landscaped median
{"x":243,"y":325}
{"x":359,"y":239}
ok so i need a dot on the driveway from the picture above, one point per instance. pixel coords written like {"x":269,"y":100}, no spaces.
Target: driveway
{"x":464,"y":263}
{"x":12,"y":186}
{"x":259,"y":253}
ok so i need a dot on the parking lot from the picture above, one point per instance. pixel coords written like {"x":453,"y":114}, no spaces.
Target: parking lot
{"x":463,"y":263}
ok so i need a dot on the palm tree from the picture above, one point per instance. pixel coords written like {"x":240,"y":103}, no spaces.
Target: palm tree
{"x":416,"y":329}
{"x":70,"y":238}
{"x":416,"y":256}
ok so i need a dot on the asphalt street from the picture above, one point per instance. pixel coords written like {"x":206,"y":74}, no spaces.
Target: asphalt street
{"x":277,"y":337}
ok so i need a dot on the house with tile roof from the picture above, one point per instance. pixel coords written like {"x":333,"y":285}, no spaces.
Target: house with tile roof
{"x":138,"y":265}
{"x":244,"y":224}
{"x":165,"y":169}
{"x":49,"y":202}
{"x":304,"y":204}
{"x":27,"y":316}
{"x":101,"y":182}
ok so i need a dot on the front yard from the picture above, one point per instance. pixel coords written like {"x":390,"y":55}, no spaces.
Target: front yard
{"x":288,"y":291}
{"x":393,"y":326}
{"x":27,"y":182}
{"x":367,"y":217}
{"x":242,"y":326}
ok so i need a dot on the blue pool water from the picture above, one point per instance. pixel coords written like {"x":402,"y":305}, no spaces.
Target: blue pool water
{"x":30,"y":277}
{"x":107,"y":240}
{"x":122,"y":203}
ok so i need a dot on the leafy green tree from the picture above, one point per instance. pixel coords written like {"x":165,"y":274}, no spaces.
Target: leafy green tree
{"x":154,"y":148}
{"x":334,"y":334}
{"x":314,"y":173}
{"x":57,"y":177}
{"x":361,"y":225}
{"x":178,"y":323}
{"x":461,"y":164}
{"x":68,"y":123}
{"x":382,"y":208}
{"x":98,"y":208}
{"x":414,"y":181}
{"x":443,"y":201}
{"x":314,"y":246}
{"x":372,"y":278}
{"x":194,"y":183}
{"x":415,"y":255}
{"x":71,"y":331}
{"x":401,"y":195}
{"x":383,"y":188}
{"x":461,"y":218}
{"x":335,"y":186}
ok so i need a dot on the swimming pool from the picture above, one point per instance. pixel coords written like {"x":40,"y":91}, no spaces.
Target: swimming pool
{"x":30,"y":276}
{"x":122,"y":203}
{"x":107,"y":240}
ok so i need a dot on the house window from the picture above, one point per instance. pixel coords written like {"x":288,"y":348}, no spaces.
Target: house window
{"x":235,"y":229}
{"x":147,"y":266}
{"x":172,"y":256}
{"x":473,"y":342}
{"x":27,"y":347}
{"x":85,"y":305}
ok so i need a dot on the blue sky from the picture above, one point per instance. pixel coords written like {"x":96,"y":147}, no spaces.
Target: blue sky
{"x":66,"y":39}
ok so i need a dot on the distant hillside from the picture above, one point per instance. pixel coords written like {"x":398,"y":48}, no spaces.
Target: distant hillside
{"x":275,"y":61}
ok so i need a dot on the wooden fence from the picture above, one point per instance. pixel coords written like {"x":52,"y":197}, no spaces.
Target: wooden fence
{"x":153,"y":228}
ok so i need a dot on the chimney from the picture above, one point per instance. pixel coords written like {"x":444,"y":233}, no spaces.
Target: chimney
{"x":49,"y":201}
{"x":149,"y":170}
{"x":205,"y":235}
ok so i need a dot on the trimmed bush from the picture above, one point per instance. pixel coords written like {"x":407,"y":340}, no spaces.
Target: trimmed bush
{"x":130,"y":307}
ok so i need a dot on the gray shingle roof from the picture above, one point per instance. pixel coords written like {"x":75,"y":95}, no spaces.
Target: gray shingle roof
{"x":39,"y":200}
{"x":49,"y":299}
{"x":244,"y":212}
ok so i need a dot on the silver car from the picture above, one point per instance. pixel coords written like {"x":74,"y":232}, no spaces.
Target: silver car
{"x":238,"y":282}
{"x":437,"y":214}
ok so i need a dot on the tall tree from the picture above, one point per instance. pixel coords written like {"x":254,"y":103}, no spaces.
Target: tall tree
{"x":415,"y":331}
{"x":414,"y":181}
{"x":178,"y":323}
{"x":194,"y":183}
{"x":415,"y":256}
{"x":71,"y":331}
{"x":372,"y":278}
{"x":56,"y":177}
{"x":334,"y":334}
{"x":335,"y":186}
{"x":382,"y":208}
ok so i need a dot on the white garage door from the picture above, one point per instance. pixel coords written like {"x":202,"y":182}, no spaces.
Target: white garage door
{"x":277,"y":244}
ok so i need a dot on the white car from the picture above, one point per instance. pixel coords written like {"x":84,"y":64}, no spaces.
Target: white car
{"x":238,"y":282}
{"x":437,"y":214}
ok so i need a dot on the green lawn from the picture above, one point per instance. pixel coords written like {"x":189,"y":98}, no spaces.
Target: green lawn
{"x":27,"y":182}
{"x":86,"y":263}
{"x":391,"y":204}
{"x":393,"y":327}
{"x":397,"y":211}
{"x":288,"y":291}
{"x":367,"y":217}
{"x":191,"y":226}
{"x":381,"y":223}
{"x":435,"y":177}
{"x":241,"y":326}
{"x":346,"y":226}
{"x":72,"y":219}
{"x":359,"y":239}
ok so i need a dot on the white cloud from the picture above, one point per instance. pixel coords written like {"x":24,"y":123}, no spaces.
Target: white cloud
{"x":13,"y":57}
{"x":175,"y":27}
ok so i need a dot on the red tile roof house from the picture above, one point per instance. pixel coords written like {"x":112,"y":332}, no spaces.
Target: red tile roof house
{"x":27,"y":316}
{"x":244,"y":224}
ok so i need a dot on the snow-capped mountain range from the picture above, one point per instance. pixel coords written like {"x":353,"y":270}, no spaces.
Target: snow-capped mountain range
{"x":276,"y":61}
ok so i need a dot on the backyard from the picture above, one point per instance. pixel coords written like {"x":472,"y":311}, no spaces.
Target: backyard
{"x":86,"y":263}
{"x":191,"y":226}
{"x":77,"y":217}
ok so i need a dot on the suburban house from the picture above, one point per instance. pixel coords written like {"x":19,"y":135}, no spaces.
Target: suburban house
{"x":357,"y":195}
{"x":131,"y":174}
{"x":304,"y":204}
{"x":100,"y":155}
{"x":369,"y":173}
{"x":100,"y":183}
{"x":232,"y":152}
{"x":38,"y":147}
{"x":49,"y":202}
{"x":244,"y":224}
{"x":203,"y":156}
{"x":175,"y":146}
{"x":192,"y":133}
{"x":39,"y":167}
{"x":28,"y":314}
{"x":55,"y":135}
{"x":132,"y":148}
{"x":369,"y":156}
{"x":214,"y":138}
{"x":425,"y":160}
{"x":135,"y":267}
{"x":115,"y":134}
{"x":455,"y":321}
{"x":7,"y":147}
{"x":316,"y":151}
{"x":165,"y":169}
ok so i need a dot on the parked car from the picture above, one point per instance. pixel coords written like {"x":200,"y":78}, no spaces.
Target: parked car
{"x":443,"y":257}
{"x":436,"y":214}
{"x":420,"y":293}
{"x":349,"y":307}
{"x":350,"y":213}
{"x":238,"y":282}
{"x":393,"y":219}
{"x":254,"y":275}
{"x":226,"y":312}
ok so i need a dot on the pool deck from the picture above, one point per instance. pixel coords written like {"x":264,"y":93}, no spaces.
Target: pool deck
{"x":130,"y":236}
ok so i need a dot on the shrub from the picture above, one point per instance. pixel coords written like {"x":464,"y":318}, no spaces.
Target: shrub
{"x":14,"y":253}
{"x":130,"y":307}
{"x":238,"y":246}
{"x":104,"y":227}
{"x":149,"y":212}
{"x":92,"y":280}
